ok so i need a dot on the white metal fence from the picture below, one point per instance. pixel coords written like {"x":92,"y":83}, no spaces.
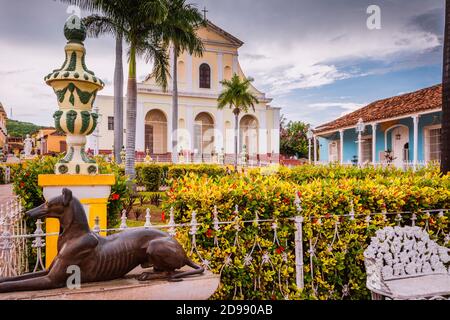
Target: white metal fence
{"x":328,"y":229}
{"x":13,"y":247}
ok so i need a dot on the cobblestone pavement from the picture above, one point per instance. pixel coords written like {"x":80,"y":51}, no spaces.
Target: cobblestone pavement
{"x":6,"y":193}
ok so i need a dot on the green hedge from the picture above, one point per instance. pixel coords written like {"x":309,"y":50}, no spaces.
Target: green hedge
{"x":151,"y":177}
{"x":154,"y":176}
{"x":178,"y":171}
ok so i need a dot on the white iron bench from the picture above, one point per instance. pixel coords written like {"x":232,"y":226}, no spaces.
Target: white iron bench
{"x":405,"y":264}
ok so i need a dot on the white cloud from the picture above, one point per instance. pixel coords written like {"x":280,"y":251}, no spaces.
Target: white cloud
{"x":313,"y":61}
{"x":348,"y":107}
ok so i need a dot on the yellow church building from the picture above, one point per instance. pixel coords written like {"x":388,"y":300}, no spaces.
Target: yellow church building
{"x":204,"y":131}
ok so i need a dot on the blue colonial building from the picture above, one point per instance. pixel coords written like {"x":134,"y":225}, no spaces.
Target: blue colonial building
{"x":404,"y":130}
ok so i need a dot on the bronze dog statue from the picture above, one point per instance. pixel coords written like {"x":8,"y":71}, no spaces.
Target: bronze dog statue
{"x":99,"y":258}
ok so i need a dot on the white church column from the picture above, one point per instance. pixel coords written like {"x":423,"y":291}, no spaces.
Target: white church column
{"x":140,"y":128}
{"x":235,"y":64}
{"x":220,"y":71}
{"x":190,"y":128}
{"x":262,"y":134}
{"x":275,"y":134}
{"x":189,"y":73}
{"x":169,"y":131}
{"x":220,"y":130}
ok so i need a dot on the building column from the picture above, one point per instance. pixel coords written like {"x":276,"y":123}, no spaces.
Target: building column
{"x":235,"y":64}
{"x":140,"y":128}
{"x":219,"y":130}
{"x":190,"y":128}
{"x":275,"y":137}
{"x":360,"y":162}
{"x":262,"y":134}
{"x":220,"y":71}
{"x":189,"y":73}
{"x":341,"y":135}
{"x":169,"y":131}
{"x":374,"y":142}
{"x":416,"y":140}
{"x":315,"y":149}
{"x":309,"y":151}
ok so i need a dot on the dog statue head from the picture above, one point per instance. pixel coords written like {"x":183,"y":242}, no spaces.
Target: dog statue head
{"x":54,"y":208}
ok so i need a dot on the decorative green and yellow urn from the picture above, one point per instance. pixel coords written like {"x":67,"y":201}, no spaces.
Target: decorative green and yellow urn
{"x":76,"y":88}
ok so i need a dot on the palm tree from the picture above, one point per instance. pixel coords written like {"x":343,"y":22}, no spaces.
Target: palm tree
{"x":445,"y":145}
{"x":109,"y":24}
{"x":140,"y":20}
{"x":179,"y":30}
{"x":237,"y":95}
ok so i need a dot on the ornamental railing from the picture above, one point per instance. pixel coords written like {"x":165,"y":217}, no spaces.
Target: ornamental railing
{"x":313,"y":244}
{"x":13,"y":247}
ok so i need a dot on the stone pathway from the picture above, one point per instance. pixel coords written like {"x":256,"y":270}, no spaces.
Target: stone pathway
{"x":6,"y":193}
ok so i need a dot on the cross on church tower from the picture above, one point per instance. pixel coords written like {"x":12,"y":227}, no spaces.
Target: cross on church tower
{"x":204,"y":13}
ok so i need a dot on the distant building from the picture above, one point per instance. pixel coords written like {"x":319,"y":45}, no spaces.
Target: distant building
{"x":407,"y":126}
{"x":15,"y":145}
{"x":3,"y":131}
{"x":49,"y":141}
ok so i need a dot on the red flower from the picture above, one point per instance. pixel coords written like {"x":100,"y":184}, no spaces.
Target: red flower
{"x":209,"y":233}
{"x":286,"y":201}
{"x":22,"y":184}
{"x":280,"y":250}
{"x":299,"y":194}
{"x":115,"y":197}
{"x":163,"y":216}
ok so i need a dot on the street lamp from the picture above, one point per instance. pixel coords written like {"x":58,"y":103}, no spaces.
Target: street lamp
{"x":310,"y":136}
{"x":360,"y":127}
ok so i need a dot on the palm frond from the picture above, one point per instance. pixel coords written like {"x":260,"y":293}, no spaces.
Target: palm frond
{"x":97,"y":25}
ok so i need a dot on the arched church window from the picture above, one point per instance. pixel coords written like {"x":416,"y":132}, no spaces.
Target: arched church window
{"x":204,"y":134}
{"x":249,"y":134}
{"x":156,"y":132}
{"x":205,"y":76}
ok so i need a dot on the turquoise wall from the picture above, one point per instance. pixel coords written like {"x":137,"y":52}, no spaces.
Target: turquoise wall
{"x":350,"y":138}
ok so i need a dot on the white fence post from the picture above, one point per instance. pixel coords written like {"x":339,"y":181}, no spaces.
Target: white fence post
{"x":299,"y":279}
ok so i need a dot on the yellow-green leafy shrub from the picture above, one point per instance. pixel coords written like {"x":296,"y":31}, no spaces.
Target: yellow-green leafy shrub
{"x":330,"y":198}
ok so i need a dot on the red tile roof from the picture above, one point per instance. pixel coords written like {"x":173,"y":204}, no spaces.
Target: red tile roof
{"x":410,"y":103}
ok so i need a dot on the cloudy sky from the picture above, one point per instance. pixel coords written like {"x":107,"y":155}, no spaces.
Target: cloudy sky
{"x":316,"y":58}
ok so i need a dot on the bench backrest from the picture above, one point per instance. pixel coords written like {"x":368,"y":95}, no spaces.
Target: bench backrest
{"x":401,"y":252}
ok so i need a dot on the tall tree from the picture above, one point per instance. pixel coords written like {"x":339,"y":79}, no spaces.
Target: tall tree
{"x":237,"y":95}
{"x":180,"y":31}
{"x":293,"y":139}
{"x":143,"y":18}
{"x":109,"y":24}
{"x":445,"y":145}
{"x":141,"y":31}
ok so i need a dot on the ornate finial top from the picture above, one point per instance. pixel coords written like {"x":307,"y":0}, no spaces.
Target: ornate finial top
{"x":74,"y":29}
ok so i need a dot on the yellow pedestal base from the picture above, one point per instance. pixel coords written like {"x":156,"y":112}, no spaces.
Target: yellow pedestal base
{"x":93,"y":192}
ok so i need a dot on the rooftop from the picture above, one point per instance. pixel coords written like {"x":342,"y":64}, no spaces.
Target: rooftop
{"x":402,"y":105}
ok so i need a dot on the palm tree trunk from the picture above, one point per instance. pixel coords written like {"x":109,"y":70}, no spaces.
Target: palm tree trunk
{"x":175,"y":107}
{"x":236,"y":133}
{"x":118,"y":99}
{"x":445,"y":146}
{"x":130,"y":170}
